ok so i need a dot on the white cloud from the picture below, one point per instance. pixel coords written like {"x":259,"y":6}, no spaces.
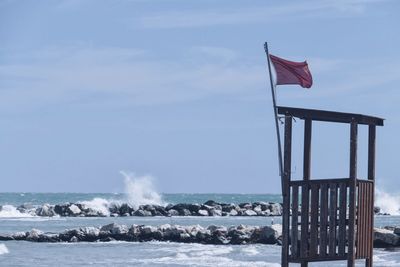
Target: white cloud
{"x":128,"y":76}
{"x":265,"y":13}
{"x":59,"y":74}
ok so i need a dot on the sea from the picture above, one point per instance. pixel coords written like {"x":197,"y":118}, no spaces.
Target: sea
{"x":22,"y":253}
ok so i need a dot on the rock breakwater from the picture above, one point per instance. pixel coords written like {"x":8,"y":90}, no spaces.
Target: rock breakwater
{"x":387,"y":237}
{"x":218,"y":235}
{"x":115,"y":209}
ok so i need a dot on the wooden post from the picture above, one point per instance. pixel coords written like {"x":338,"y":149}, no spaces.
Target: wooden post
{"x":307,"y":149}
{"x":286,"y":190}
{"x":352,"y":197}
{"x":371,"y":176}
{"x":306,"y":177}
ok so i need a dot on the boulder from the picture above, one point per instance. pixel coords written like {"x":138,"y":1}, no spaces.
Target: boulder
{"x":169,"y":206}
{"x":25,"y":208}
{"x":185,"y":212}
{"x":114,"y":207}
{"x":245,"y":205}
{"x":233,"y":213}
{"x":203,"y":212}
{"x":211,"y":203}
{"x":115,"y":229}
{"x":74,"y":239}
{"x":33,"y":235}
{"x":125,"y":208}
{"x":377,"y":210}
{"x":19,"y":236}
{"x":90,"y":233}
{"x":173,"y":212}
{"x":150,"y":233}
{"x":160,"y":211}
{"x":142,"y":213}
{"x":73,"y":210}
{"x":46,"y":210}
{"x":6,"y":237}
{"x":265,"y":235}
{"x":61,"y":209}
{"x":396,"y":230}
{"x":215,"y":212}
{"x":227,"y":207}
{"x":276,"y":209}
{"x":249,"y":213}
{"x":385,"y":238}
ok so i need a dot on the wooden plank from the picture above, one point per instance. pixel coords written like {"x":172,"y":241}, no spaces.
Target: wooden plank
{"x":286,"y":189}
{"x":360,"y":222}
{"x":352,"y":195}
{"x":326,"y":258}
{"x":370,"y":232}
{"x":307,"y":150}
{"x":304,"y":221}
{"x":314,"y":220}
{"x":323,"y":220}
{"x":371,"y":152}
{"x":332,"y":219}
{"x":342,"y":219}
{"x":295,"y":221}
{"x":371,"y":177}
{"x":320,"y":181}
{"x":330,"y":116}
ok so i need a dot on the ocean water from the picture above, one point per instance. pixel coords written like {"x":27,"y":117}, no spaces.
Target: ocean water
{"x":21,"y":253}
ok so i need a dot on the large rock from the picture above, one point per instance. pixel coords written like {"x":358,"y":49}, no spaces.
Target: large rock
{"x":6,"y":237}
{"x":233,"y":213}
{"x":385,"y":238}
{"x":173,"y":212}
{"x":114,"y":229}
{"x":203,"y":212}
{"x":33,"y":235}
{"x":150,"y":233}
{"x":19,"y":236}
{"x":61,"y":209}
{"x":90,"y":233}
{"x":142,"y":213}
{"x":211,"y":203}
{"x":276,"y":209}
{"x":249,"y":213}
{"x":266,"y":235}
{"x":46,"y":210}
{"x":74,"y":210}
{"x":125,"y":208}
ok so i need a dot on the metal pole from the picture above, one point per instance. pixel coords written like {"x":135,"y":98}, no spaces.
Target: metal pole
{"x":276,"y":115}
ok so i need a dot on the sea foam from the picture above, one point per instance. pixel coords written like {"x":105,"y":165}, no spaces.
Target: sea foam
{"x":9,"y":211}
{"x":98,"y":204}
{"x":3,"y":249}
{"x":140,"y":190}
{"x":389,"y":203}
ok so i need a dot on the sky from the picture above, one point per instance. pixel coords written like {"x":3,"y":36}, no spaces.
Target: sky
{"x":179,"y":90}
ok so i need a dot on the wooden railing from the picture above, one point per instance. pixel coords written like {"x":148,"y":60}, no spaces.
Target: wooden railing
{"x":319,"y":221}
{"x":365,"y":218}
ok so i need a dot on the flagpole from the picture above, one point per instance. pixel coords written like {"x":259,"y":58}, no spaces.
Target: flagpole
{"x":276,"y":115}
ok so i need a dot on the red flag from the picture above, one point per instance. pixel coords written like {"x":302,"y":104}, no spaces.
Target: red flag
{"x":289,"y":72}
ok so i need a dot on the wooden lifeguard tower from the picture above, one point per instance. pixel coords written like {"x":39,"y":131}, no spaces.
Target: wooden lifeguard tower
{"x":327,"y":219}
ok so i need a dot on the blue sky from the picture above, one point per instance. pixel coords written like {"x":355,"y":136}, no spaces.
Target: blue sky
{"x":179,"y":90}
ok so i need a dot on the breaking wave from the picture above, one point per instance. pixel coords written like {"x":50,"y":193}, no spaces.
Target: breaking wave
{"x":100,"y":205}
{"x":140,"y":190}
{"x":389,"y":203}
{"x":9,"y":211}
{"x":3,"y":249}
